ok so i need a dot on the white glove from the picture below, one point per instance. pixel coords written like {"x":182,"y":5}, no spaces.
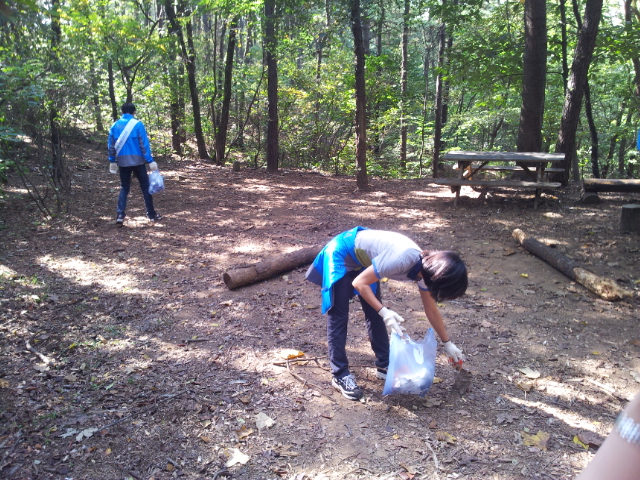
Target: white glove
{"x":113,"y":167}
{"x":153,"y":166}
{"x":454,"y":353}
{"x":391,"y":320}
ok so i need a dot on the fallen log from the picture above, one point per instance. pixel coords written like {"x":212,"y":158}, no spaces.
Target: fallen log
{"x":275,"y":264}
{"x":624,"y":185}
{"x":603,"y":287}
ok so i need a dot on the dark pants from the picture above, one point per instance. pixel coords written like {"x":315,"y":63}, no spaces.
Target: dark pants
{"x":140,"y":171}
{"x":338,"y":319}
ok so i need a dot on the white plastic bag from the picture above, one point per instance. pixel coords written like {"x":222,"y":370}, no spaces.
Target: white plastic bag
{"x":156,"y":182}
{"x":412,"y":365}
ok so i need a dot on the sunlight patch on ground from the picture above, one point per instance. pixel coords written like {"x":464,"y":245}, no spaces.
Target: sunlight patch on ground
{"x":112,"y":277}
{"x":552,"y":215}
{"x":7,"y":272}
{"x":570,"y":418}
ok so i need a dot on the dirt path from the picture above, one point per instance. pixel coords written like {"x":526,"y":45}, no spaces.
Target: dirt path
{"x":146,"y":340}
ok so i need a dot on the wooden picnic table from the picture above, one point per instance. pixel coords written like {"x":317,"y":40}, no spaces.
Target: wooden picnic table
{"x":533,"y":164}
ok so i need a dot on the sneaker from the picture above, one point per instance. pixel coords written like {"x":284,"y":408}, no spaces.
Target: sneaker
{"x":156,"y":218}
{"x":381,"y":373}
{"x":120,"y":220}
{"x":348,"y":386}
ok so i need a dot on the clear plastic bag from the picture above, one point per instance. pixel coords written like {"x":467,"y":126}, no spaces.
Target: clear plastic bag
{"x":156,"y":182}
{"x":412,"y":365}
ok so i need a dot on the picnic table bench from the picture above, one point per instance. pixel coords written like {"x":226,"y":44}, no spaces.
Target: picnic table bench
{"x":532,"y":164}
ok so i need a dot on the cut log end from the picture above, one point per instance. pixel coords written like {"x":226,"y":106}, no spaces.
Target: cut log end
{"x":630,"y":218}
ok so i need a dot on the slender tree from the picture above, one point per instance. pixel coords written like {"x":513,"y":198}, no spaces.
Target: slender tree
{"x":361,"y":100}
{"x":221,"y":133}
{"x":403,"y":83}
{"x":189,"y":58}
{"x":273,"y":146}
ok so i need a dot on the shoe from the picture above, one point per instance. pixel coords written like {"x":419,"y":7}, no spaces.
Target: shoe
{"x":120,"y":220}
{"x":348,"y":386}
{"x":381,"y":373}
{"x":156,"y":218}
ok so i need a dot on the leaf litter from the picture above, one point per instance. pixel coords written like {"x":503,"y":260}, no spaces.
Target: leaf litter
{"x":144,"y":402}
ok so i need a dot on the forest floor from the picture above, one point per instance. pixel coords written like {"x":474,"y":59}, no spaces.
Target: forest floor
{"x":156,"y":370}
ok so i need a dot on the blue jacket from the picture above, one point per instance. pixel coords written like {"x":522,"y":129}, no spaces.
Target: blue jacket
{"x":329,"y":267}
{"x":638,"y":141}
{"x":136,"y":150}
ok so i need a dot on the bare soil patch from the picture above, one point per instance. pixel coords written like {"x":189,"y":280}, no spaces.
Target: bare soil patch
{"x":159,"y":371}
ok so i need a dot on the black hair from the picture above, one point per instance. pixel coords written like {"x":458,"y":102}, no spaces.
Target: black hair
{"x":445,"y":274}
{"x":128,"y":107}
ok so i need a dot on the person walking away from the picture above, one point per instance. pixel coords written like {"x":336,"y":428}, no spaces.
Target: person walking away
{"x":129,"y":151}
{"x":358,"y":259}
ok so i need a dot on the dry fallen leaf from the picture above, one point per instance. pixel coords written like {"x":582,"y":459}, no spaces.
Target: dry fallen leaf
{"x":432,"y":402}
{"x":235,"y":456}
{"x":529,"y":373}
{"x":445,"y":437}
{"x":264,"y":421}
{"x":243,"y":432}
{"x":4,"y":383}
{"x":525,"y":386}
{"x":205,"y":439}
{"x":539,"y":440}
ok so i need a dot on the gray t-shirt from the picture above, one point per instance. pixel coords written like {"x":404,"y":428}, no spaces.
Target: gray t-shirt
{"x":391,"y":254}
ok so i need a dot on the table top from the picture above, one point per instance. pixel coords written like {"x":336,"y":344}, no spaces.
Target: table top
{"x":534,"y":157}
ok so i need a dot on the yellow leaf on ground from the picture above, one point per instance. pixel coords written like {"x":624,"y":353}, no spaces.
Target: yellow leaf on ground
{"x":437,"y":380}
{"x":445,"y":437}
{"x":525,"y":275}
{"x":577,"y":441}
{"x":290,"y":354}
{"x":539,"y":440}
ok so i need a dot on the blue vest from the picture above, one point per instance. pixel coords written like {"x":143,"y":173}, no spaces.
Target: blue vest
{"x":329,"y":267}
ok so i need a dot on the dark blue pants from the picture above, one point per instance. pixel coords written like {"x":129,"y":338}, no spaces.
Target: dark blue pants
{"x":140,"y":171}
{"x":338,"y":319}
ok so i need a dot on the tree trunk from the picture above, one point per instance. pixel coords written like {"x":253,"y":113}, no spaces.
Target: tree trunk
{"x":577,"y":80}
{"x":403,"y":84}
{"x":628,"y":7}
{"x":273,"y":147}
{"x":275,"y":264}
{"x":112,"y":92}
{"x":437,"y":134}
{"x":563,"y":35}
{"x":189,"y":58}
{"x":221,"y":133}
{"x":57,"y":161}
{"x":603,"y":287}
{"x":97,"y":113}
{"x":361,"y":101}
{"x":595,"y":167}
{"x":534,"y":73}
